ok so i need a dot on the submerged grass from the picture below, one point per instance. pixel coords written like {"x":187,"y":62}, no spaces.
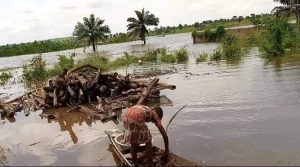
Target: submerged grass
{"x":37,"y":70}
{"x":4,"y":77}
{"x":181,"y":55}
{"x":202,"y":58}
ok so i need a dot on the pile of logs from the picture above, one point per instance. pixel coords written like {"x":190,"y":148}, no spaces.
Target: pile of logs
{"x":83,"y":85}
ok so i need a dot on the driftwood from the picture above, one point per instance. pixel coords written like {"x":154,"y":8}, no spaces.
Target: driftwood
{"x":146,"y":93}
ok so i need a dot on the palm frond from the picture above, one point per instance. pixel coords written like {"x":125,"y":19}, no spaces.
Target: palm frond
{"x":137,"y":27}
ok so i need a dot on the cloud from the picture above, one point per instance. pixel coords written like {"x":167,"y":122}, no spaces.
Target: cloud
{"x":35,"y":20}
{"x":68,"y":7}
{"x":26,"y":11}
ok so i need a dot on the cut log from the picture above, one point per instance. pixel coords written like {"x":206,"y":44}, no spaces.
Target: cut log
{"x":26,"y":112}
{"x":55,"y":98}
{"x":2,"y":112}
{"x":147,"y":92}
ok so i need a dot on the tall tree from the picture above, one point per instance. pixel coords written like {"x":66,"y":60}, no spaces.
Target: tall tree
{"x":91,"y":30}
{"x":290,"y":8}
{"x":138,"y":27}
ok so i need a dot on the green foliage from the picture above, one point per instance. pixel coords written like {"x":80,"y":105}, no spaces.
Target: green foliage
{"x":118,"y":38}
{"x":211,"y":35}
{"x":165,"y":57}
{"x":181,"y":55}
{"x":37,"y":47}
{"x":4,"y":77}
{"x":220,"y":33}
{"x":231,"y":47}
{"x":91,"y":30}
{"x":125,"y":60}
{"x":138,"y":27}
{"x":97,"y":60}
{"x":202,"y":58}
{"x":216,"y":56}
{"x":279,"y":36}
{"x":64,"y":62}
{"x":150,"y":56}
{"x":36,"y":71}
{"x":197,"y":25}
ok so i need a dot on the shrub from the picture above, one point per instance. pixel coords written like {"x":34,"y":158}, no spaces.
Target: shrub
{"x":64,"y":62}
{"x":165,"y":57}
{"x":181,"y":55}
{"x":97,"y":60}
{"x":279,"y":36}
{"x":231,"y":47}
{"x":37,"y":69}
{"x":202,"y":58}
{"x":150,"y":56}
{"x":216,"y":56}
{"x":125,"y":60}
{"x":4,"y":77}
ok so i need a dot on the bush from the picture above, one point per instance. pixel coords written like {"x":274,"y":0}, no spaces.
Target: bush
{"x":124,"y":60}
{"x":36,"y":71}
{"x":165,"y":57}
{"x":4,"y":77}
{"x":181,"y":55}
{"x":96,"y":60}
{"x":279,"y":36}
{"x":231,"y":47}
{"x":216,"y":56}
{"x":202,"y":58}
{"x":150,"y":56}
{"x":64,"y":62}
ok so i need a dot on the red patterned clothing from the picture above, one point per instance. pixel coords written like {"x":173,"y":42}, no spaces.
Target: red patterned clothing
{"x":136,"y":130}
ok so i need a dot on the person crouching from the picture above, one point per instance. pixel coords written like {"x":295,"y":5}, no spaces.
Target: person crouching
{"x":137,"y":132}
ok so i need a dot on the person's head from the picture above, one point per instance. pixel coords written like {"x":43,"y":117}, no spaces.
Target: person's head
{"x":158,"y":111}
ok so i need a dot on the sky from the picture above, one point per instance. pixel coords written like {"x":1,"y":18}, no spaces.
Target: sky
{"x":29,"y":20}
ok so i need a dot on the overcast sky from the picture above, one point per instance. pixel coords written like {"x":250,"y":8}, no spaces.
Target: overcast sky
{"x":28,"y":20}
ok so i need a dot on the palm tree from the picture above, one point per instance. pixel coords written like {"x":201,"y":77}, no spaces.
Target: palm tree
{"x":138,"y":27}
{"x":91,"y":30}
{"x":291,"y":7}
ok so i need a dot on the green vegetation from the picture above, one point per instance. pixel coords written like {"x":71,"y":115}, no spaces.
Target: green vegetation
{"x":181,"y":55}
{"x":216,"y":56}
{"x":4,"y":77}
{"x":208,"y":25}
{"x":38,"y":71}
{"x":118,"y":38}
{"x":231,"y":47}
{"x":138,"y":27}
{"x":91,"y":31}
{"x":166,"y":57}
{"x":38,"y":47}
{"x":289,"y":8}
{"x":279,"y":36}
{"x":211,"y":35}
{"x":64,"y":62}
{"x":202,"y":58}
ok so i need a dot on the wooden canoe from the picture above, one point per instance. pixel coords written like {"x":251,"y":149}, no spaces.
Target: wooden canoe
{"x":123,"y":156}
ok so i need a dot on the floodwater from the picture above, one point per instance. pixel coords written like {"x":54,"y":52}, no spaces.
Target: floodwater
{"x":236,"y":113}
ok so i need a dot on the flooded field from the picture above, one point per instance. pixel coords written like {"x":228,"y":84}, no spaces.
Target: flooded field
{"x":236,"y":113}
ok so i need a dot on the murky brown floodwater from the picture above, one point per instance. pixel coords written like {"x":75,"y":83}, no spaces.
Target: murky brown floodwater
{"x":237,"y":113}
